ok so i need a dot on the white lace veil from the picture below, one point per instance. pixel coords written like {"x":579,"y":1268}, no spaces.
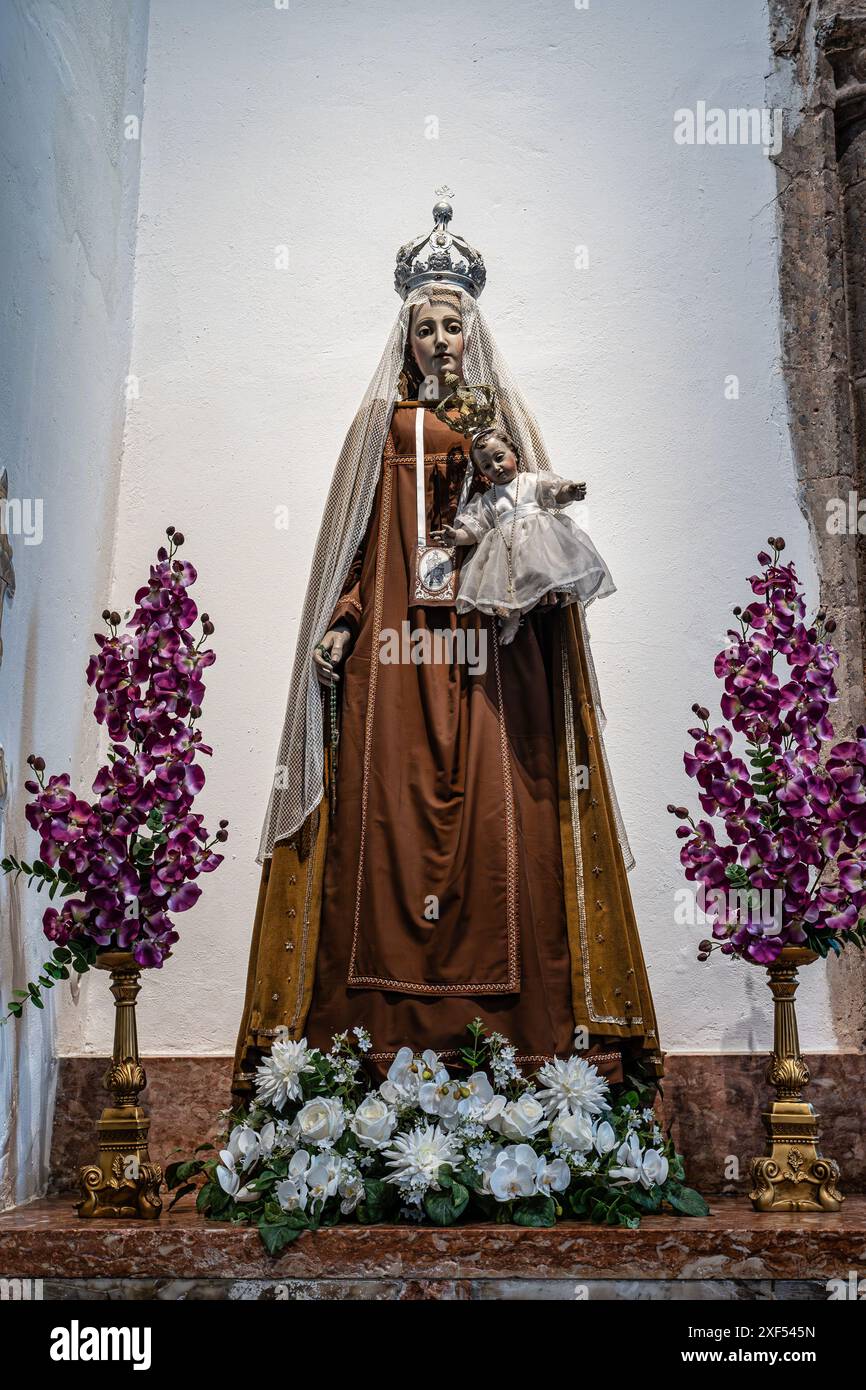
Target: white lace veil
{"x":298,"y":781}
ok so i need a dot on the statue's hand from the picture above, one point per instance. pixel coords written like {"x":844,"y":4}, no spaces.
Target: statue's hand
{"x":452,"y":535}
{"x":334,"y":643}
{"x":572,"y":492}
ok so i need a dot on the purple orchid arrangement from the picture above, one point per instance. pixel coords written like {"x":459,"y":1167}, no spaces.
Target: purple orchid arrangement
{"x":790,"y":866}
{"x":125,"y":863}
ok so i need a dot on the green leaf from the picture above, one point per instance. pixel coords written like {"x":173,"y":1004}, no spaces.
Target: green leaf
{"x":687,"y":1201}
{"x":647,"y":1201}
{"x":179,"y":1172}
{"x":203,"y":1201}
{"x":378,"y":1197}
{"x":535,"y":1211}
{"x":440,"y":1208}
{"x":181,"y":1192}
{"x":276,"y":1237}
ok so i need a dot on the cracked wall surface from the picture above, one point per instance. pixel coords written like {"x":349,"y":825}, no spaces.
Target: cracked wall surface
{"x":819,"y":77}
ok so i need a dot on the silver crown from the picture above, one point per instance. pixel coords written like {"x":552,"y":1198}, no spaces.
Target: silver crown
{"x":439,"y":256}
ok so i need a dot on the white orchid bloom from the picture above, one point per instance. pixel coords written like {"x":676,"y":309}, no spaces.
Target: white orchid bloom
{"x":243,"y":1146}
{"x":604,"y":1138}
{"x":323,"y":1176}
{"x":628,"y":1166}
{"x":514,"y":1173}
{"x":552,"y":1176}
{"x":351,"y":1190}
{"x":229,"y":1178}
{"x":439,"y":1098}
{"x":654,"y":1169}
{"x":292,"y":1194}
{"x":408,"y":1073}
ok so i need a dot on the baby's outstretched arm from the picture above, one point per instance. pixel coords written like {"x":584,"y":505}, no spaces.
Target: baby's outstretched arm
{"x":454,"y":535}
{"x":570,"y":492}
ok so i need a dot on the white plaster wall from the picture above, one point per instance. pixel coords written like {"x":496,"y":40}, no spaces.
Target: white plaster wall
{"x":69,"y":73}
{"x":306,"y":127}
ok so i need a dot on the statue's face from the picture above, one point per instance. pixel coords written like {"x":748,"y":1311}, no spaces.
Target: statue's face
{"x":436,"y":340}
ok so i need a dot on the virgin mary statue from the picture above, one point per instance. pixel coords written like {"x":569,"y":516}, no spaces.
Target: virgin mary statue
{"x":442,"y":841}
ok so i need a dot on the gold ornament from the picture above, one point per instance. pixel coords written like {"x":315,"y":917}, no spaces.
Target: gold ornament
{"x":792,"y":1175}
{"x":123,"y":1182}
{"x":467,"y":409}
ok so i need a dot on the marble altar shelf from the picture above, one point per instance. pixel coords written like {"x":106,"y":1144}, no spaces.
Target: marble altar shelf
{"x":732,"y":1253}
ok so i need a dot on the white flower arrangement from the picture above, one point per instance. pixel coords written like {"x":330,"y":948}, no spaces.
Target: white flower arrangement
{"x":318,"y":1145}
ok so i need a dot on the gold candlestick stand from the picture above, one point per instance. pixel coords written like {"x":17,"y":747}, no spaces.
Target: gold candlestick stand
{"x":123,"y":1182}
{"x":792,"y":1175}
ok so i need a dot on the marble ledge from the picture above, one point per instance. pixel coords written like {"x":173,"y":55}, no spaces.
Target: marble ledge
{"x":47,"y":1240}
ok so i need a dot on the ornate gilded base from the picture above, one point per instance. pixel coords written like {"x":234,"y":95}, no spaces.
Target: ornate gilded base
{"x":793,"y":1176}
{"x":124,"y":1183}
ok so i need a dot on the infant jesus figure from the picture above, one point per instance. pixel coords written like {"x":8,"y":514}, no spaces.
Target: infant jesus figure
{"x":527,"y":548}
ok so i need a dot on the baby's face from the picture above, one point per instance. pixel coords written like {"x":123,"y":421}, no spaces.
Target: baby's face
{"x":495,"y":460}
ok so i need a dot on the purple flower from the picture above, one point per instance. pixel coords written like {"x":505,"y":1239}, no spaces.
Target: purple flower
{"x":792,"y":821}
{"x":133,"y":854}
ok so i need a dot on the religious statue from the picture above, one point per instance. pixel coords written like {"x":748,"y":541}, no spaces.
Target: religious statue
{"x":443,"y":842}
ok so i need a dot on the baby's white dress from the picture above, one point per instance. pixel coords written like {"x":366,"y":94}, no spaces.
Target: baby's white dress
{"x":549,"y":551}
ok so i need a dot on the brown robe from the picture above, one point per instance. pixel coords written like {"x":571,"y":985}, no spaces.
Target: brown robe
{"x":450,"y":883}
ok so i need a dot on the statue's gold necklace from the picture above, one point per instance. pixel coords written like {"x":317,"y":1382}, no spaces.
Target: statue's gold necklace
{"x":509,"y":544}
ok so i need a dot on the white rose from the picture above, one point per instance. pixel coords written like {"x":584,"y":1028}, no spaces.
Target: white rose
{"x":521,"y":1119}
{"x":572,"y":1132}
{"x":321,"y":1121}
{"x":373,"y":1122}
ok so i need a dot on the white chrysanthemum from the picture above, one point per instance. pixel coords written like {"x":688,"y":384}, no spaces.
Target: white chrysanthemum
{"x":416,"y":1157}
{"x":278,"y":1079}
{"x":572,"y":1085}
